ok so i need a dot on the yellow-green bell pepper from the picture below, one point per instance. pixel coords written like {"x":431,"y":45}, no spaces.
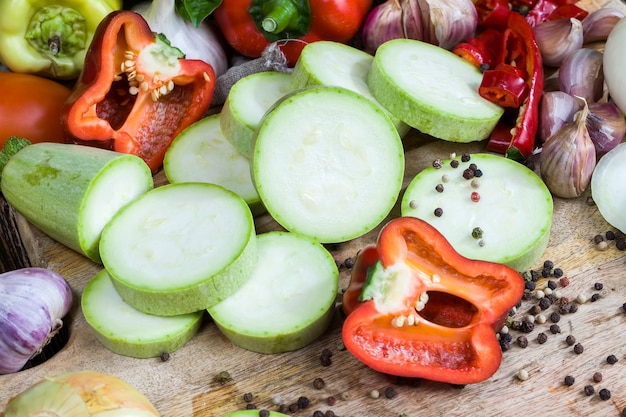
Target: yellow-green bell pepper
{"x":49,"y":37}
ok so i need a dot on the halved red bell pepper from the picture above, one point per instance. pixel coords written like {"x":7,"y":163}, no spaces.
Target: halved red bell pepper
{"x":136,"y":92}
{"x":492,"y":13}
{"x":426,"y":311}
{"x":249,"y":26}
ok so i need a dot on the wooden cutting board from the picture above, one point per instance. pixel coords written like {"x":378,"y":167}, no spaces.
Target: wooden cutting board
{"x":186,"y":384}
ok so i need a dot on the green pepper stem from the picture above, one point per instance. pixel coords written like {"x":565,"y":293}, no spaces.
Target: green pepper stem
{"x":282,"y":15}
{"x":57,"y":31}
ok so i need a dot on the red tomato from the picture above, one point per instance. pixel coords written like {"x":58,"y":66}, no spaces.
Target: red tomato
{"x":30,"y":107}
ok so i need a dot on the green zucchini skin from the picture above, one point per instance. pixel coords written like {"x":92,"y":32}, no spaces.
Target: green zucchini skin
{"x":71,"y":191}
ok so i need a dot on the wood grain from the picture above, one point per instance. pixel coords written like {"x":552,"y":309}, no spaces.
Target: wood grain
{"x":186,"y":385}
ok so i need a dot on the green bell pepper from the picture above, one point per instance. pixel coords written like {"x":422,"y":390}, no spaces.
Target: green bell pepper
{"x":49,"y":38}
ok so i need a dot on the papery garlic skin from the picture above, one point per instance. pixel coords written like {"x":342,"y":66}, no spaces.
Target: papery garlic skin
{"x":599,"y":23}
{"x":384,"y":23}
{"x":557,"y":39}
{"x":581,"y":74}
{"x":606,"y":126}
{"x":568,"y":158}
{"x":555,"y":110}
{"x":32,"y":303}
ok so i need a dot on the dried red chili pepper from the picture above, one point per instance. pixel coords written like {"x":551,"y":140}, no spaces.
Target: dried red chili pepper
{"x":136,"y":92}
{"x":568,"y":11}
{"x":481,"y":50}
{"x":249,"y":26}
{"x":427,"y":311}
{"x":492,"y":13}
{"x":505,"y":85}
{"x":520,"y":49}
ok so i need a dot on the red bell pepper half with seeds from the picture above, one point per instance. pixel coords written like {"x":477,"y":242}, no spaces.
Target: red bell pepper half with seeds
{"x":424,"y":310}
{"x":136,"y":92}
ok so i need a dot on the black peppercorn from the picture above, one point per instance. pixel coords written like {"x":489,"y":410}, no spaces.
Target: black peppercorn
{"x":542,"y":338}
{"x":247,"y":397}
{"x":597,"y":377}
{"x":390,"y":392}
{"x":250,"y":406}
{"x":569,"y":380}
{"x":555,"y":328}
{"x":594,"y":297}
{"x":466,"y":157}
{"x":611,"y":359}
{"x":605,"y":394}
{"x":555,"y":317}
{"x":527,"y":326}
{"x":578,"y":348}
{"x":610,"y":235}
{"x":318,"y":413}
{"x":573,"y":308}
{"x":545,"y":303}
{"x":329,"y":413}
{"x":318,"y":383}
{"x":551,"y":283}
{"x":438,"y":212}
{"x":620,"y":244}
{"x":439,"y":188}
{"x":349,"y":263}
{"x":165,"y":356}
{"x":589,"y":390}
{"x":478,"y":173}
{"x":530,"y":285}
{"x":548,"y":264}
{"x":598,"y":286}
{"x":570,"y":340}
{"x":264,"y":413}
{"x":303,"y":402}
{"x":454,"y":163}
{"x":522,"y":341}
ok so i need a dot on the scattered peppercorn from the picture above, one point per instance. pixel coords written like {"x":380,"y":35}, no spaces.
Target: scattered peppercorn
{"x":303,"y":402}
{"x":331,"y":401}
{"x":329,"y":413}
{"x":527,"y":326}
{"x":247,"y":397}
{"x":624,"y":307}
{"x":318,"y":383}
{"x":589,"y":390}
{"x":293,"y":407}
{"x":165,"y":356}
{"x":439,"y":188}
{"x":569,"y":380}
{"x":611,"y":359}
{"x":620,"y":244}
{"x":223,"y":377}
{"x":468,"y":174}
{"x":438,"y":212}
{"x":250,"y":406}
{"x":555,"y":317}
{"x":545,"y":303}
{"x":555,"y":328}
{"x":475,"y":197}
{"x":522,"y":375}
{"x":264,"y":413}
{"x":573,"y":308}
{"x":437,"y":163}
{"x":551,"y":283}
{"x":349,"y":262}
{"x":542,"y":338}
{"x":557,"y":272}
{"x":564,"y":281}
{"x":466,"y":157}
{"x":570,"y":340}
{"x":605,"y":394}
{"x":530,"y":285}
{"x":598,"y":286}
{"x":598,"y":238}
{"x":597,"y":377}
{"x":318,"y":413}
{"x":578,"y":348}
{"x":325,"y":357}
{"x":548,"y":264}
{"x":477,"y":233}
{"x":390,"y":392}
{"x":374,"y":394}
{"x":610,"y":235}
{"x":454,"y":163}
{"x":594,"y":297}
{"x":522,"y":341}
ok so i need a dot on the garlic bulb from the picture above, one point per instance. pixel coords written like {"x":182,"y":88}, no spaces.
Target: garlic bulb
{"x":606,"y":126}
{"x":555,"y":110}
{"x":599,"y":23}
{"x":568,"y":158}
{"x":557,"y":39}
{"x":438,"y":22}
{"x":32,"y":303}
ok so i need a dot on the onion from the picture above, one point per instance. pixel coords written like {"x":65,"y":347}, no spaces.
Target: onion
{"x":614,"y":64}
{"x":607,"y":187}
{"x":444,"y":23}
{"x":81,"y":394}
{"x":200,"y":42}
{"x":32,"y":303}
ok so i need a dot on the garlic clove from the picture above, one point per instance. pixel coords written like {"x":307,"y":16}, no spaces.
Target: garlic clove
{"x":606,"y":126}
{"x":556,"y":109}
{"x":557,"y":39}
{"x":568,"y":158}
{"x":454,"y":21}
{"x":581,"y":74}
{"x":599,"y":23}
{"x":383,"y":23}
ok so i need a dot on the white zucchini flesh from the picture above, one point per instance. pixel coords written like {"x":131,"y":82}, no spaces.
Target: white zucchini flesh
{"x":247,"y":102}
{"x":289,"y":299}
{"x":514,"y":210}
{"x":328,"y":163}
{"x":336,"y":64}
{"x":127,"y":331}
{"x":71,"y":192}
{"x":607,"y":187}
{"x":201,"y":153}
{"x":180,"y":248}
{"x":432,"y":90}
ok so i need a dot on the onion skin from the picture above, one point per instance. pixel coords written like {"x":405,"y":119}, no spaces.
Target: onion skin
{"x":606,"y":126}
{"x":581,"y":75}
{"x":32,"y":303}
{"x":92,"y":393}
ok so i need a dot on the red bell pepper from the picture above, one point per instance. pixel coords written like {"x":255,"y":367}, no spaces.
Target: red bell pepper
{"x":249,"y":26}
{"x":136,"y":92}
{"x":540,"y":12}
{"x":520,"y":49}
{"x":505,"y":85}
{"x":568,"y":11}
{"x":426,"y":311}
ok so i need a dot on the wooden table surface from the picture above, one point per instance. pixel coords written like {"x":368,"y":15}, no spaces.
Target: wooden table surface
{"x":186,"y":384}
